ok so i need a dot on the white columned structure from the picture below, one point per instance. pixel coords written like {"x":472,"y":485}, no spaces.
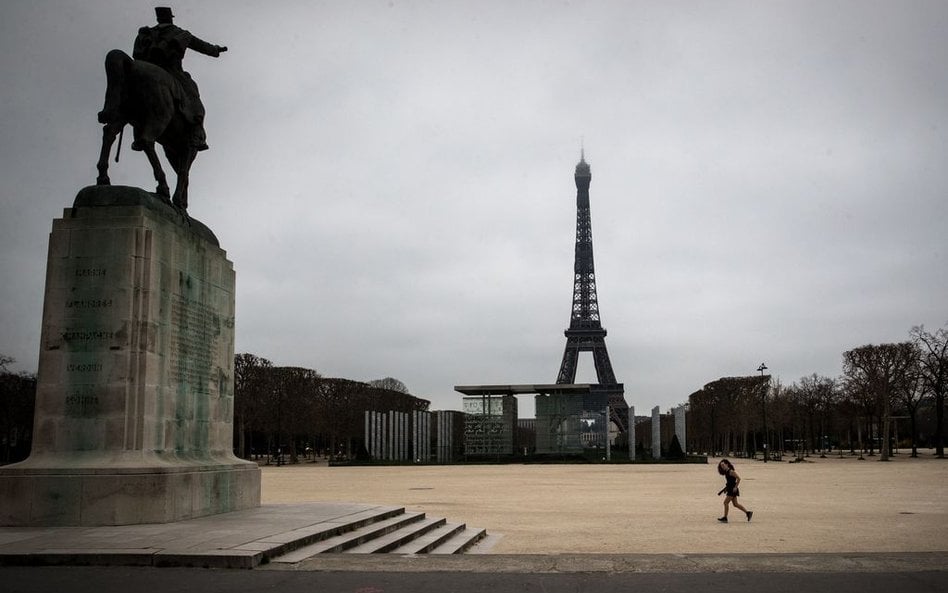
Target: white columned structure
{"x":368,"y":432}
{"x":631,"y":433}
{"x":397,"y":450}
{"x":423,"y":437}
{"x":427,"y":439}
{"x":680,"y":428}
{"x":439,"y":442}
{"x":403,"y":436}
{"x":404,"y":439}
{"x":415,"y":436}
{"x":389,"y":435}
{"x":656,"y":434}
{"x":399,"y":436}
{"x":445,"y":437}
{"x":377,"y":429}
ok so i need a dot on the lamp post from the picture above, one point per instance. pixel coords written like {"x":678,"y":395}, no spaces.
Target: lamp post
{"x":763,"y":406}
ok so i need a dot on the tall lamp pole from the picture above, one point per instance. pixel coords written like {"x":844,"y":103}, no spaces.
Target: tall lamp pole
{"x":763,"y":405}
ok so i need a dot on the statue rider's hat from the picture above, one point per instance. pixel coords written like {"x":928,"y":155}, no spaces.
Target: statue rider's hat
{"x":163,"y":13}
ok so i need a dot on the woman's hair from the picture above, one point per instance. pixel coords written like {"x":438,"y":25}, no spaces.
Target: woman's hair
{"x":729,"y":465}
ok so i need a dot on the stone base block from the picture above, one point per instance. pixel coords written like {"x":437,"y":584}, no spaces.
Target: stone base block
{"x":125,"y":496}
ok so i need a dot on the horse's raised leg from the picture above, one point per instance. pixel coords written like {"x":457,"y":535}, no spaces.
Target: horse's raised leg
{"x":162,"y":189}
{"x":117,"y":64}
{"x":109,"y":132}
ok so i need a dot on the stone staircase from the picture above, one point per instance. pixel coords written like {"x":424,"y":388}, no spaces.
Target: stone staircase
{"x":388,"y":530}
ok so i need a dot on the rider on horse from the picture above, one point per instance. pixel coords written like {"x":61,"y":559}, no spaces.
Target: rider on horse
{"x":164,"y":45}
{"x":154,"y":94}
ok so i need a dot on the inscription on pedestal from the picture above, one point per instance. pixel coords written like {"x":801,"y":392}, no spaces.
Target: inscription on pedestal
{"x":79,"y":335}
{"x":92,"y":367}
{"x":79,"y":304}
{"x":90,"y":272}
{"x":194,"y":343}
{"x":82,"y":401}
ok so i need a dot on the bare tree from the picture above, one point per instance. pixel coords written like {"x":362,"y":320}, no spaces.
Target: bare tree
{"x":849,"y":406}
{"x":880,"y":371}
{"x":780,"y":414}
{"x":933,"y":366}
{"x":910,"y":393}
{"x":724,"y":412}
{"x":17,"y":403}
{"x":342,"y":406}
{"x":803,"y":406}
{"x":293,"y":406}
{"x":390,"y":383}
{"x":862,"y":397}
{"x":250,"y":384}
{"x":816,"y":394}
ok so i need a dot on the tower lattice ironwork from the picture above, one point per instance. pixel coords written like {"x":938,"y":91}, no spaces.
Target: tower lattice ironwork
{"x":585,"y":333}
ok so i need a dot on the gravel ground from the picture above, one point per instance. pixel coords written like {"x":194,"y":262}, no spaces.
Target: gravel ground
{"x":824,"y":505}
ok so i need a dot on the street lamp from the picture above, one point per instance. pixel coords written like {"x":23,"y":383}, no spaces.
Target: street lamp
{"x":763,"y":405}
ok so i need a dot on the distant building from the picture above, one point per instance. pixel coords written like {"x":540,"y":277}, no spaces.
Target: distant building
{"x":526,"y":441}
{"x":569,"y":418}
{"x":449,"y":436}
{"x":490,"y":424}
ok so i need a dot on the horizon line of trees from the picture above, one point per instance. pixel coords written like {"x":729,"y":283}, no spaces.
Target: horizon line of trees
{"x":292,"y":409}
{"x":880,"y":385}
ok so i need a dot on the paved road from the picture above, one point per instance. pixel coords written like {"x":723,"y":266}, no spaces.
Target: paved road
{"x":168,"y":580}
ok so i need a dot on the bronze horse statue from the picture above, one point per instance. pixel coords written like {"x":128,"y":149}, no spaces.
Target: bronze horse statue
{"x":147,"y":97}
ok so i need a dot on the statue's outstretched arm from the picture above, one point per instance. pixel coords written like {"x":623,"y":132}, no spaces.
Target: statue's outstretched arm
{"x":203,"y":47}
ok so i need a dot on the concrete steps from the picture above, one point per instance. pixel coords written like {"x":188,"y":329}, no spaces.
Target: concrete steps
{"x":460,"y":542}
{"x":394,"y":532}
{"x":430,"y":540}
{"x":399,"y":537}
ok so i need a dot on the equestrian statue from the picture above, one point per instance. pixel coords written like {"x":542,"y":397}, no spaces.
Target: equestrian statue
{"x":152,"y":92}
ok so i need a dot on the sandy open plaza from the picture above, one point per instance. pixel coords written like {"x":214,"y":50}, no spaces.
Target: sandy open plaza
{"x":826,"y":505}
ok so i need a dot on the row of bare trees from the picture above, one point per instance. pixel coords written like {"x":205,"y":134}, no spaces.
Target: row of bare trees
{"x":17,"y":397}
{"x":289,"y":409}
{"x":727,"y":415}
{"x":881,"y":384}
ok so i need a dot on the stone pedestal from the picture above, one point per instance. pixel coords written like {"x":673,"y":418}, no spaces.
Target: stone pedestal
{"x":134,"y":403}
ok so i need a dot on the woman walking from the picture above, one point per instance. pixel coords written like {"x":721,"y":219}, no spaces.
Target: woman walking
{"x":726,"y":469}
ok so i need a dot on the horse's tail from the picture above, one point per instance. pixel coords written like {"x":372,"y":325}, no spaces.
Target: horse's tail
{"x":118,"y":149}
{"x":117,"y":66}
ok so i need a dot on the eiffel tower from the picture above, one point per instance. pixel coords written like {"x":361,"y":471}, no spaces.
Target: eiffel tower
{"x":585,"y":333}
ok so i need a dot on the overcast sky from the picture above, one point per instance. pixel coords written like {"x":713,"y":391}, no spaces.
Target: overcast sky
{"x":394,"y":180}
